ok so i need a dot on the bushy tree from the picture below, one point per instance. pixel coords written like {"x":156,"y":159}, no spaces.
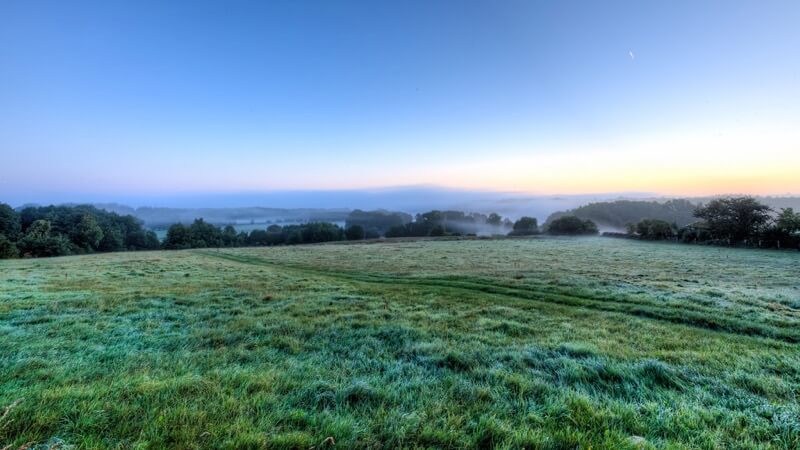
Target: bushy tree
{"x":525,"y":226}
{"x":397,"y":231}
{"x":355,"y":233}
{"x":151,"y":240}
{"x":571,"y":225}
{"x":734,"y":218}
{"x":320,"y":232}
{"x":494,"y":220}
{"x":9,"y":222}
{"x":113,"y":239}
{"x":7,"y":248}
{"x":376,"y":222}
{"x":694,"y":233}
{"x":437,"y":230}
{"x":788,"y":221}
{"x":203,"y":234}
{"x":38,"y":241}
{"x":177,"y":237}
{"x":229,"y":237}
{"x":87,"y":234}
{"x":654,"y":229}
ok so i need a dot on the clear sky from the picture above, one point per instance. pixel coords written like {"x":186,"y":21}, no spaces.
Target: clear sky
{"x":678,"y":97}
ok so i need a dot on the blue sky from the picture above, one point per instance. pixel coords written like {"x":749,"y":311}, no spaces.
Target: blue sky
{"x":543,"y":97}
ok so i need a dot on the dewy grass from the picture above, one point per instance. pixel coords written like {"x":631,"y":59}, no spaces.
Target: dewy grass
{"x":537,"y":343}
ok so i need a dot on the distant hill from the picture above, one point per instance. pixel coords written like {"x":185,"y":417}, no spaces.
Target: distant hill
{"x":618,"y":214}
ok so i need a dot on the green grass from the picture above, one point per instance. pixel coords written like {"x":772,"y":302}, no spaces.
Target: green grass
{"x":519,"y":343}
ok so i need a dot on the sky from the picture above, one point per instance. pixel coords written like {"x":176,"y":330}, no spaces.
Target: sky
{"x":152,"y":98}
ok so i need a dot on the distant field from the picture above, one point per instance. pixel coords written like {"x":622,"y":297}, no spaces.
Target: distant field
{"x":517,"y":343}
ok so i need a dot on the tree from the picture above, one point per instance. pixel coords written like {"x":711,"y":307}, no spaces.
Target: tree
{"x":177,"y":237}
{"x":654,"y":229}
{"x":437,"y":230}
{"x":38,"y":241}
{"x":87,"y":228}
{"x":571,"y":225}
{"x":87,"y":234}
{"x":355,"y":233}
{"x":734,"y":218}
{"x":113,"y":239}
{"x":788,"y":221}
{"x":9,"y":222}
{"x":525,"y":226}
{"x":376,"y":222}
{"x":229,"y":236}
{"x":151,"y":240}
{"x":203,"y":234}
{"x":7,"y":248}
{"x":619,"y":213}
{"x":494,"y":220}
{"x":396,"y":231}
{"x":320,"y":232}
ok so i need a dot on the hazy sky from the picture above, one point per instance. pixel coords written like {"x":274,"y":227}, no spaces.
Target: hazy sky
{"x":158,"y":97}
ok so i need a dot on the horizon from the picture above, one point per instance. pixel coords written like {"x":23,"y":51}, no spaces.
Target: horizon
{"x":413,"y":199}
{"x":153,"y":101}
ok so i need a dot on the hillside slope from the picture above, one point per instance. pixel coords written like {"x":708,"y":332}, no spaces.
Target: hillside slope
{"x":541,"y":343}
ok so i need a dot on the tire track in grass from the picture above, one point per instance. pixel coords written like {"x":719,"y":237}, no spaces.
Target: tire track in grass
{"x":697,"y":316}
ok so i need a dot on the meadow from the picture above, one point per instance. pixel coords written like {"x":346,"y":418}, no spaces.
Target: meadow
{"x":556,"y":343}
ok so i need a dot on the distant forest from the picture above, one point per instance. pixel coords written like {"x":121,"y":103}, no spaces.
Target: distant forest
{"x":79,"y":229}
{"x":619,"y":214}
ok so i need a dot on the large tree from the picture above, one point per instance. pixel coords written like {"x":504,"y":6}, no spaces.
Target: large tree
{"x":788,"y":221}
{"x":9,"y":222}
{"x":355,"y":233}
{"x":40,"y":241}
{"x":7,"y":248}
{"x":734,"y":218}
{"x":494,"y":219}
{"x":178,"y":237}
{"x":525,"y":226}
{"x":87,"y":234}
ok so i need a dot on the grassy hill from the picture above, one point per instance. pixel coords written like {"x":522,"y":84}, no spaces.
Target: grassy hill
{"x":540,"y":343}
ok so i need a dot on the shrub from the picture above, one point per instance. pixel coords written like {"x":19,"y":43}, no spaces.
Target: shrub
{"x":572,"y":225}
{"x":7,"y":248}
{"x":525,"y":226}
{"x":654,"y":229}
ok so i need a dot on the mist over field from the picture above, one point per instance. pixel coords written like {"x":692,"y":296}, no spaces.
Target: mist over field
{"x":408,"y":199}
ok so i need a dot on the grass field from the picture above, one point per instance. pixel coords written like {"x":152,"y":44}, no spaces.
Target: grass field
{"x":530,"y":343}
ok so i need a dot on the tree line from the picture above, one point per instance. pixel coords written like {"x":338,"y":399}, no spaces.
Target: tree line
{"x":201,"y":234}
{"x":69,"y":230}
{"x":736,"y":221}
{"x":617,"y":214}
{"x":81,"y":229}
